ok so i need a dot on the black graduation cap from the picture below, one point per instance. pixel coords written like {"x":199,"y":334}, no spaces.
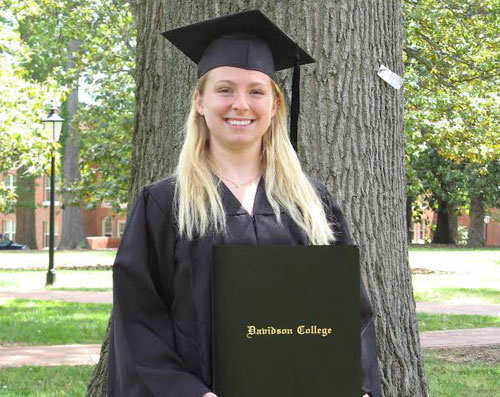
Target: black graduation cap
{"x":247,"y":40}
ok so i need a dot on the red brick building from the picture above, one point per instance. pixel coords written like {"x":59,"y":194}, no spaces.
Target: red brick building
{"x":422,"y":232}
{"x":102,"y":227}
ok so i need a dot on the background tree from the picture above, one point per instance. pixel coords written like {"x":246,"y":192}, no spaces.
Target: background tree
{"x":24,"y":144}
{"x":351,"y":137}
{"x":105,"y":36}
{"x":72,"y":235}
{"x":452,"y":100}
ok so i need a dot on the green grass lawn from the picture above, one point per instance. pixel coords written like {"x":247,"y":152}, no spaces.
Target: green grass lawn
{"x":40,"y":258}
{"x":442,"y":322}
{"x":36,"y":322}
{"x":64,"y":279}
{"x":82,"y":289}
{"x":60,"y":381}
{"x":447,"y":378}
{"x":462,"y":295}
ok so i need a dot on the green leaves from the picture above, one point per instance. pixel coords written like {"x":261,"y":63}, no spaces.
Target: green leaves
{"x":452,"y":70}
{"x":33,"y":46}
{"x":23,"y":141}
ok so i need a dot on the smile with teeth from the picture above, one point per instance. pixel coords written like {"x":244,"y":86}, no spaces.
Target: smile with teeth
{"x":238,"y":122}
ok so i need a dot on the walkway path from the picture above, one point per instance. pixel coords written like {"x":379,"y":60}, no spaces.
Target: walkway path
{"x":17,"y":356}
{"x":107,"y":297}
{"x":69,"y":296}
{"x":460,"y":338}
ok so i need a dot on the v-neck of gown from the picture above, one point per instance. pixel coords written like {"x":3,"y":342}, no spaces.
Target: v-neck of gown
{"x":233,"y":205}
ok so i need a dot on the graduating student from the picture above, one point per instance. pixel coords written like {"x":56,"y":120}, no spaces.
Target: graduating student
{"x":238,"y":181}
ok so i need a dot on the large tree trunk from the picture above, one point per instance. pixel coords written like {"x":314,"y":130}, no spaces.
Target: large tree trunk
{"x":475,"y":237}
{"x":72,"y":235}
{"x":446,"y":225}
{"x":25,"y":209}
{"x":350,"y":137}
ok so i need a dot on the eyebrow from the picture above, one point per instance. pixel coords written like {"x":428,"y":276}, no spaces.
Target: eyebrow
{"x":232,"y":82}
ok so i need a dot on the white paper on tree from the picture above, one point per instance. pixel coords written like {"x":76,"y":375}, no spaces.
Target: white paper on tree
{"x":390,"y":77}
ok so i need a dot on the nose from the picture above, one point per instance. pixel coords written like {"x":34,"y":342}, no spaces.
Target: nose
{"x":240,"y":102}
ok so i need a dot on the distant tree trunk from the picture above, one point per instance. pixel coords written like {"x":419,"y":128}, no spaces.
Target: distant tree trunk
{"x":452,"y":222}
{"x":409,"y":217}
{"x":446,"y":225}
{"x":476,"y":228}
{"x":72,"y":234}
{"x":25,"y":209}
{"x":350,"y":137}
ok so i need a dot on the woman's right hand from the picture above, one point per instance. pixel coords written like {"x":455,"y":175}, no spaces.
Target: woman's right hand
{"x":210,"y":394}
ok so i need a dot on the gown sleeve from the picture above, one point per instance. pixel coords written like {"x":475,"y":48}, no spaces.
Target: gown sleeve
{"x":142,"y":359}
{"x":370,"y":375}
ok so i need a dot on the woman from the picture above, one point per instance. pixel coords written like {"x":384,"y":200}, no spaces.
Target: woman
{"x":238,"y":181}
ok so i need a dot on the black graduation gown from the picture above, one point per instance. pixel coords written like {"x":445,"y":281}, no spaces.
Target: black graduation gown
{"x":160,"y":341}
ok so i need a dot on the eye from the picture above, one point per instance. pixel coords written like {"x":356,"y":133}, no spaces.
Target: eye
{"x":257,"y":92}
{"x":223,"y":90}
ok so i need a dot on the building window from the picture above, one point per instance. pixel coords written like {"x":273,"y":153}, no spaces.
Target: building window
{"x":9,"y":182}
{"x":422,"y":231}
{"x":121,"y":228}
{"x":107,"y":227}
{"x":46,"y":233}
{"x":9,"y":229}
{"x":412,"y":233}
{"x":46,"y":191}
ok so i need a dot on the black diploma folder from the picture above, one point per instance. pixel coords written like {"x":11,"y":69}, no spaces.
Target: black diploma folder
{"x":286,"y":321}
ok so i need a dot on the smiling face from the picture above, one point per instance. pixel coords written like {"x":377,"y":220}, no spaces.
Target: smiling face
{"x":237,"y":105}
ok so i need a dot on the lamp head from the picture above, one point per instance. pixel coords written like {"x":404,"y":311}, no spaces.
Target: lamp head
{"x":53,"y":122}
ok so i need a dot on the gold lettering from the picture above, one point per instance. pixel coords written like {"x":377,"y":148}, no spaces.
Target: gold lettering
{"x":250,"y":331}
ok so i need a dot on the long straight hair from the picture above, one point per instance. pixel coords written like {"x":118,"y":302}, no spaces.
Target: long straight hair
{"x":199,"y":205}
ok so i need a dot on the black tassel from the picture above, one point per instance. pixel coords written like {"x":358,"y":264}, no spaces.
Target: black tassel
{"x":295,"y":105}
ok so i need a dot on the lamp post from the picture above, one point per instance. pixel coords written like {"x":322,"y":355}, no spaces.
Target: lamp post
{"x":53,"y":125}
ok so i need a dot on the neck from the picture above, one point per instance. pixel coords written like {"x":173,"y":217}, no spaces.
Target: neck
{"x":238,"y":165}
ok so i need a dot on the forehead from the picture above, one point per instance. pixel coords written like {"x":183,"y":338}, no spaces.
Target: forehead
{"x":237,"y":76}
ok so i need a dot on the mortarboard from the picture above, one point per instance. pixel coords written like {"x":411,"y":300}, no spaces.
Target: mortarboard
{"x":247,"y":40}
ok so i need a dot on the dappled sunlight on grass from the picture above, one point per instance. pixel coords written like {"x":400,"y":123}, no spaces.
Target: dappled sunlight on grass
{"x":459,"y":295}
{"x":64,"y":279}
{"x":39,"y":258}
{"x":426,"y":282}
{"x":462,"y":379}
{"x":443,"y":322}
{"x":35,"y":322}
{"x":58,"y":381}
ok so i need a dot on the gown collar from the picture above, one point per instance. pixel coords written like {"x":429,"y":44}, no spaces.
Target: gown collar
{"x":233,"y":206}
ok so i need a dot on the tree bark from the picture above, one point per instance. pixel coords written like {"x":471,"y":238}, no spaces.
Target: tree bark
{"x":25,"y":209}
{"x":72,"y":235}
{"x":476,"y":229}
{"x":350,"y":137}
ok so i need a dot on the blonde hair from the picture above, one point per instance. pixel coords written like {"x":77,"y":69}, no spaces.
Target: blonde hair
{"x":199,"y":205}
